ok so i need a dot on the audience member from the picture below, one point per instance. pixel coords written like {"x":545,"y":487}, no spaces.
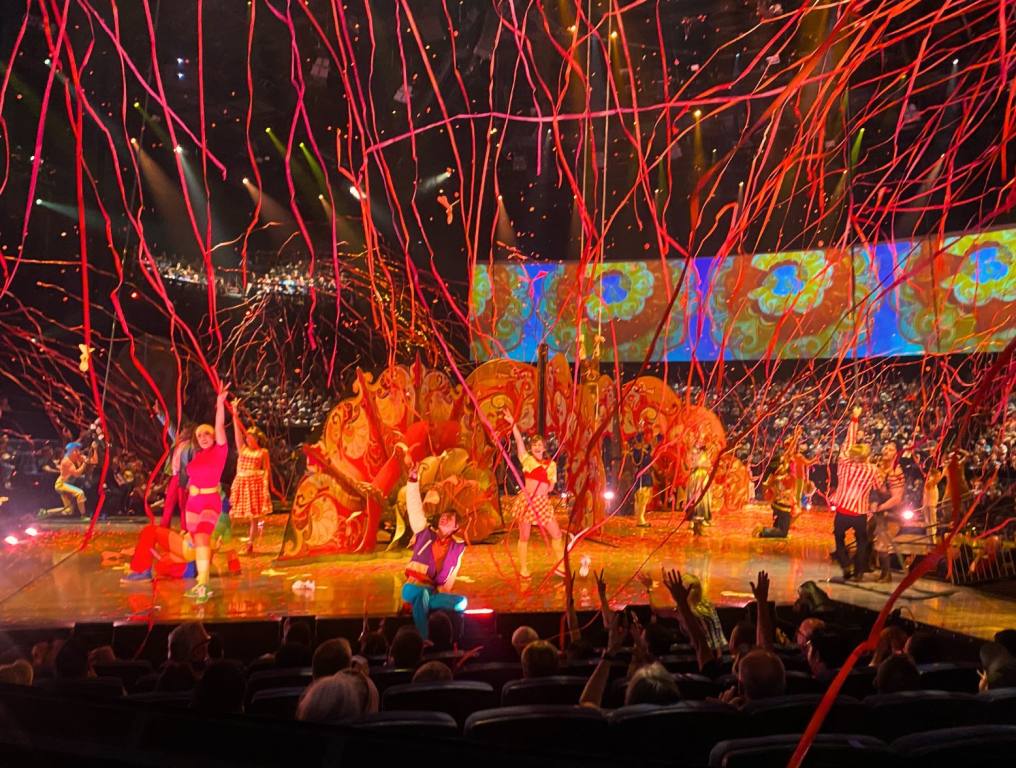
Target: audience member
{"x":220,"y":690}
{"x":406,"y":651}
{"x":539,"y":659}
{"x":998,"y":667}
{"x":432,"y":672}
{"x":924,"y":647}
{"x":330,"y":657}
{"x":897,"y":673}
{"x":440,"y":632}
{"x":652,"y":684}
{"x":71,"y":661}
{"x":1007,"y":639}
{"x":101,"y":655}
{"x":369,"y":700}
{"x":295,"y":650}
{"x":188,"y":644}
{"x":522,"y":637}
{"x":891,"y":641}
{"x":825,"y":653}
{"x":19,"y":672}
{"x":335,"y":699}
{"x":760,"y":675}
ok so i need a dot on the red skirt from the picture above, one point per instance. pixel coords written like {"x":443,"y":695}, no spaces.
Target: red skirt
{"x":536,"y":510}
{"x":249,"y":498}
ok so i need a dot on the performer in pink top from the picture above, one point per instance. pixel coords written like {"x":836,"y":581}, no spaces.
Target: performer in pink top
{"x":204,"y":499}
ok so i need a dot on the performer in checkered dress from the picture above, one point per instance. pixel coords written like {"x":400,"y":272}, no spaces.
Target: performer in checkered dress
{"x":891,"y":487}
{"x":856,"y":476}
{"x":532,"y":505}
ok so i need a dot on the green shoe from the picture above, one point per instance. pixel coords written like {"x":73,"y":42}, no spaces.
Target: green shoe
{"x":198,"y":592}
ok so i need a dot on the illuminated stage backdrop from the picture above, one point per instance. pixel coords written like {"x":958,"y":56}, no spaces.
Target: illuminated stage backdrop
{"x":889,"y":299}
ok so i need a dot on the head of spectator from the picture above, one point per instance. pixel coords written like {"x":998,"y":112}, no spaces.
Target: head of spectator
{"x":216,"y":649}
{"x":369,"y":698}
{"x":652,"y":684}
{"x":924,"y":647}
{"x":897,"y":673}
{"x":19,"y":672}
{"x":522,"y":637}
{"x":335,"y":699}
{"x":406,"y":651}
{"x":374,"y":644}
{"x":891,"y":641}
{"x":761,"y":675}
{"x":71,"y":661}
{"x":1007,"y":639}
{"x":539,"y":659}
{"x":804,"y":631}
{"x":694,"y":585}
{"x":295,"y":648}
{"x":188,"y":643}
{"x":176,"y":677}
{"x":580,"y":650}
{"x":220,"y":689}
{"x":659,"y":638}
{"x":998,"y":667}
{"x":826,"y":651}
{"x":330,"y":657}
{"x":432,"y":672}
{"x":440,"y":632}
{"x":742,"y":638}
{"x":101,"y":655}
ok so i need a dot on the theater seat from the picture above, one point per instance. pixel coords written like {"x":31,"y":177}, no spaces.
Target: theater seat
{"x":180,"y":699}
{"x":557,"y":689}
{"x":1001,"y":704}
{"x":829,"y":750}
{"x":89,"y":687}
{"x":278,"y":703}
{"x":960,"y":678}
{"x":386,"y":677}
{"x":859,"y":683}
{"x":496,"y":674}
{"x":894,"y":715}
{"x":128,"y":672}
{"x":977,"y":745}
{"x":791,"y":714}
{"x":576,"y":729}
{"x":410,"y":724}
{"x":689,"y":729}
{"x":458,"y":698}
{"x":801,"y":683}
{"x":275,"y":678}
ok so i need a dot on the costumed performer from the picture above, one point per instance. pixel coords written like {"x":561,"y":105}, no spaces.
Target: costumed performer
{"x":532,"y":505}
{"x":176,"y":489}
{"x":165,"y":554}
{"x":437,"y":555}
{"x":72,"y":466}
{"x":250,"y":497}
{"x":890,"y":493}
{"x":204,"y":500}
{"x":855,"y":479}
{"x":701,"y":510}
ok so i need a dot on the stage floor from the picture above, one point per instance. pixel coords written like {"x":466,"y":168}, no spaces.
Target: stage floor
{"x":45,"y":580}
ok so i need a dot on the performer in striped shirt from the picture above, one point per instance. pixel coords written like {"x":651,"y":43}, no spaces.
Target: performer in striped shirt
{"x":856,"y":476}
{"x":891,"y":497}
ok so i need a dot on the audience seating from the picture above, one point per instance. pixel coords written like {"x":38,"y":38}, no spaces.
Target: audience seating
{"x":959,"y":678}
{"x":457,"y":698}
{"x":827,"y":750}
{"x":977,"y":745}
{"x":496,"y":674}
{"x":688,"y":729}
{"x":411,"y":724}
{"x":386,"y":677}
{"x":89,"y":687}
{"x":129,"y":672}
{"x":893,"y":715}
{"x":583,"y":727}
{"x":275,"y":678}
{"x":803,"y":683}
{"x":791,"y":714}
{"x":859,"y":683}
{"x":1001,"y":704}
{"x":279,"y":703}
{"x":181,"y":699}
{"x":557,"y":689}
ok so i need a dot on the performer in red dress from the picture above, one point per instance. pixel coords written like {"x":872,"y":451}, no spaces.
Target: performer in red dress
{"x":532,"y":505}
{"x":204,"y":499}
{"x":250,"y":495}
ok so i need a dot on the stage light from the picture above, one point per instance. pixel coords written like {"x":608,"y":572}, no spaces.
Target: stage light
{"x":38,"y":201}
{"x":179,"y":61}
{"x":697,"y":113}
{"x":908,"y":514}
{"x":572,"y":29}
{"x":355,"y":192}
{"x":30,"y":531}
{"x":47,"y":62}
{"x":246,"y":180}
{"x":956,"y":62}
{"x":11,"y":539}
{"x":268,"y":129}
{"x":178,"y":149}
{"x":478,"y":611}
{"x":137,"y":105}
{"x":134,"y":141}
{"x":179,"y":75}
{"x":613,"y":35}
{"x":302,"y":145}
{"x":608,"y":495}
{"x":320,"y":196}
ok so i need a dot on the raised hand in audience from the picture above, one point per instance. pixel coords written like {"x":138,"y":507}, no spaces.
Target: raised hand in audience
{"x":764,"y":621}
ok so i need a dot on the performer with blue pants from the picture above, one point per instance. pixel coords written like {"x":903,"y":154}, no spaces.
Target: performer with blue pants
{"x":437,"y":555}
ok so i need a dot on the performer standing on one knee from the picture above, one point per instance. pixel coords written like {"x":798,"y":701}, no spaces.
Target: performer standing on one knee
{"x":856,"y":476}
{"x":437,"y":555}
{"x":250,"y":495}
{"x":204,"y":501}
{"x":532,"y":505}
{"x":73,"y":465}
{"x":891,"y":491}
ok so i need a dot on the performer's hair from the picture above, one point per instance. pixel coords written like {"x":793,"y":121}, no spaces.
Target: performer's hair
{"x":537,"y":438}
{"x":71,"y":447}
{"x":258,"y":435}
{"x":203,"y":428}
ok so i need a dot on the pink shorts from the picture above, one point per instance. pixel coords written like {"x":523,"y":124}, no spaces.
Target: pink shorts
{"x":203,"y":512}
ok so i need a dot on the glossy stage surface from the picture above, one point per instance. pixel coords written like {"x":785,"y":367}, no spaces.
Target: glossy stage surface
{"x":48,"y":580}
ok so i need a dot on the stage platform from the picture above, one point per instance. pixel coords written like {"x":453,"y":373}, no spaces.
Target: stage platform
{"x":47,"y":580}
